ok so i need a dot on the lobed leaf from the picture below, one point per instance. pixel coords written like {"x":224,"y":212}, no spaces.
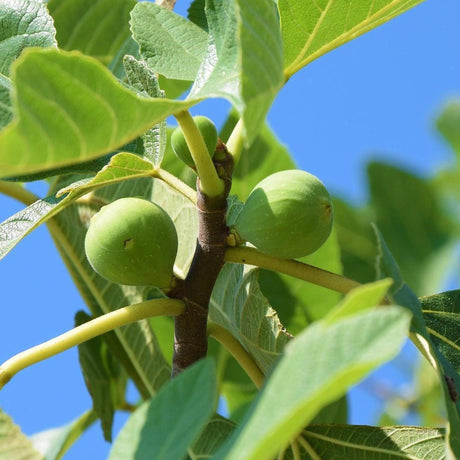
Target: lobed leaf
{"x":334,"y":356}
{"x":311,"y":28}
{"x":164,"y":427}
{"x":71,"y":109}
{"x":97,"y":28}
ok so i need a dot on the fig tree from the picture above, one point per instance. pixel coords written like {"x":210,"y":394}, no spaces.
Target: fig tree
{"x":132,"y":241}
{"x":288,"y":214}
{"x":208,"y":131}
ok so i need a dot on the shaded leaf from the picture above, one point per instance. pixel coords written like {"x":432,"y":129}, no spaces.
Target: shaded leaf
{"x":449,"y":379}
{"x":164,"y":427}
{"x":367,"y":442}
{"x":14,"y":445}
{"x":71,"y":109}
{"x":244,"y":59}
{"x":238,"y":305}
{"x":100,"y":377}
{"x":171,"y":45}
{"x":442,"y":317}
{"x":409,"y":215}
{"x":311,"y":28}
{"x":448,"y":123}
{"x":334,"y":357}
{"x":97,"y":28}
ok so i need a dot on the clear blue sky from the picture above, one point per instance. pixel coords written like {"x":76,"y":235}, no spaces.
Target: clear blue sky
{"x":378,"y":95}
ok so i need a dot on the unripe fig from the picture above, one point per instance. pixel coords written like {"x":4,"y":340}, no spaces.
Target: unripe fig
{"x":208,"y":131}
{"x":132,"y":241}
{"x":288,"y":214}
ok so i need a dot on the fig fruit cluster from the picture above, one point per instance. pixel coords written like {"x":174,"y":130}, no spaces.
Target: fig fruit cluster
{"x":132,"y":241}
{"x":209,"y":132}
{"x":288,"y":214}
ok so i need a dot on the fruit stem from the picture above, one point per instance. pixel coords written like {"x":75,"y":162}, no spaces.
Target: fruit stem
{"x":176,"y":184}
{"x":87,"y":331}
{"x":17,"y":192}
{"x":294,"y":268}
{"x":237,"y":351}
{"x":211,"y":184}
{"x":235,"y":143}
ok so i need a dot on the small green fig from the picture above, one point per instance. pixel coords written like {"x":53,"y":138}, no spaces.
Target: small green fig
{"x":208,"y":131}
{"x":132,"y":241}
{"x":288,"y":214}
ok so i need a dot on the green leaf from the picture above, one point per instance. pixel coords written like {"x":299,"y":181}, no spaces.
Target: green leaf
{"x":311,"y":28}
{"x":244,"y":59}
{"x":166,"y":426}
{"x":333,"y":357}
{"x":448,"y":124}
{"x":71,"y":109}
{"x":359,"y":299}
{"x":14,"y":445}
{"x":100,"y":376}
{"x":356,"y":240}
{"x":197,"y":15}
{"x":98,"y":28}
{"x":213,"y":436}
{"x":145,"y":82}
{"x":238,"y":305}
{"x":24,"y":24}
{"x":266,"y":156}
{"x":450,"y":381}
{"x":369,"y":442}
{"x":172,"y":45}
{"x":410,"y":216}
{"x":442,"y":317}
{"x":54,"y":443}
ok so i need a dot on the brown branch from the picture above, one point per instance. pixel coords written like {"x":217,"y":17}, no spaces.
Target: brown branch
{"x":190,"y":335}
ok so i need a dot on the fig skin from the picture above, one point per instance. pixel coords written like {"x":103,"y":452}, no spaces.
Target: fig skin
{"x":132,"y":241}
{"x":209,"y":132}
{"x":288,"y":214}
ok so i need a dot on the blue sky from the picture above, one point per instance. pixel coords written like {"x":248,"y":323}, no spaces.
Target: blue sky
{"x":376,"y":96}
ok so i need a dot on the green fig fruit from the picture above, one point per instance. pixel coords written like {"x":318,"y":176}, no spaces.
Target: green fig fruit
{"x":288,"y":214}
{"x":132,"y":241}
{"x":208,"y":131}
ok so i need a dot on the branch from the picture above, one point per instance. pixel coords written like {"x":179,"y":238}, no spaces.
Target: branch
{"x":238,"y":352}
{"x":300,"y":270}
{"x":87,"y":331}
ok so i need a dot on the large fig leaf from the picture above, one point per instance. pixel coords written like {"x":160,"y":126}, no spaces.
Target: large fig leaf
{"x":71,"y":109}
